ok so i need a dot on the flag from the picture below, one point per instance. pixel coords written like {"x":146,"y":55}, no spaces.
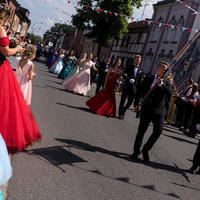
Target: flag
{"x":186,"y":62}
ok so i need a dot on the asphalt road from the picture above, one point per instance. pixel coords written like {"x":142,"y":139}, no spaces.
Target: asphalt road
{"x":84,"y":156}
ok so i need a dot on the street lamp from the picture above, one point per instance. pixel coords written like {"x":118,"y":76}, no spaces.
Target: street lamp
{"x":34,"y":26}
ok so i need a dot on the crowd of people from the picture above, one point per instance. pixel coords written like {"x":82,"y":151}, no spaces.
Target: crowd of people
{"x":154,"y":97}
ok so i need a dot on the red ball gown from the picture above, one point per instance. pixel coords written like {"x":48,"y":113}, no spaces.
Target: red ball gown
{"x":17,"y":124}
{"x":104,"y":102}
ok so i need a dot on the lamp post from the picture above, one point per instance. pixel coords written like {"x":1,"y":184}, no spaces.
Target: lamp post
{"x":34,"y":26}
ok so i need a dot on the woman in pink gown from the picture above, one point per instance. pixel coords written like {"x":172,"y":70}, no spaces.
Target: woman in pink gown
{"x":25,"y":73}
{"x":104,"y":102}
{"x":80,"y":83}
{"x":17,"y":124}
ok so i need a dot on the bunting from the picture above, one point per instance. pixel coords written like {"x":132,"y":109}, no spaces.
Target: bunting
{"x":195,"y":12}
{"x":131,"y":19}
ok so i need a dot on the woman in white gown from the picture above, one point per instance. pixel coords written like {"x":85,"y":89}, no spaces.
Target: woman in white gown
{"x":80,"y":83}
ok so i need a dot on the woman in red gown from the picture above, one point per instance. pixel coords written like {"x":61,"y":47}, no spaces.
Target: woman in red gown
{"x":17,"y":124}
{"x":104,"y":102}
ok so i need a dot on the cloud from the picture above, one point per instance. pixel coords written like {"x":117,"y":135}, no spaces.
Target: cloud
{"x":30,"y":3}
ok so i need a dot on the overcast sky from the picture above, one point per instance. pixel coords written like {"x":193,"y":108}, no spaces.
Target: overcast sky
{"x":44,"y":13}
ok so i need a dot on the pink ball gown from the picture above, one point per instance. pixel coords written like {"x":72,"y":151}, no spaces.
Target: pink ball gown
{"x":17,"y":124}
{"x":24,"y":82}
{"x":80,"y":83}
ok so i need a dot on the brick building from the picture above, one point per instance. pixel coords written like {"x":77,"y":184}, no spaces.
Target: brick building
{"x":19,"y":19}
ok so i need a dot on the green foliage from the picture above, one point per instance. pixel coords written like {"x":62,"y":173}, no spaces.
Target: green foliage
{"x":62,"y":28}
{"x":34,"y":38}
{"x":56,"y":31}
{"x":105,"y":27}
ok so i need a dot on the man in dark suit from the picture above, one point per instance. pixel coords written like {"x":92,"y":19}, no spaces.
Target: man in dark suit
{"x":153,"y":109}
{"x":93,"y":73}
{"x":196,"y":161}
{"x":102,"y":72}
{"x":132,"y":79}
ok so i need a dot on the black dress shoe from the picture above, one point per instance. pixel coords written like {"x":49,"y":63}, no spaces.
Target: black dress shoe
{"x":198,"y":171}
{"x":145,"y":155}
{"x":193,"y":169}
{"x":120,"y":117}
{"x":134,"y":156}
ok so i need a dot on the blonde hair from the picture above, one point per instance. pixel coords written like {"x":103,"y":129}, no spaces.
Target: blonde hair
{"x":29,"y":52}
{"x":4,"y":13}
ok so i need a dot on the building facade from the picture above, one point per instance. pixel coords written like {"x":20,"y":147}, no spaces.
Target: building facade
{"x":19,"y":19}
{"x":130,"y":44}
{"x":164,"y":43}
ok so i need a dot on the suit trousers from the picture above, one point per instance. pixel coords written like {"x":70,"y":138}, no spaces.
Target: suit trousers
{"x":196,"y":159}
{"x":195,"y":121}
{"x":129,"y":95}
{"x":93,"y":75}
{"x":158,"y":121}
{"x":181,"y":106}
{"x":100,"y":83}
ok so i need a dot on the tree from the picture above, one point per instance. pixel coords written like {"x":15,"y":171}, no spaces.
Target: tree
{"x":34,"y":38}
{"x":104,"y":27}
{"x":62,"y":28}
{"x":56,"y":31}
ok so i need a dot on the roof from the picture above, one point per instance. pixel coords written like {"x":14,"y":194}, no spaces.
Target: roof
{"x":164,"y":2}
{"x":138,"y":27}
{"x":21,"y":12}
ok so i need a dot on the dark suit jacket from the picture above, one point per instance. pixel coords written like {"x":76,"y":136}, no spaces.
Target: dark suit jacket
{"x":156,"y":101}
{"x":102,"y":68}
{"x":131,"y":75}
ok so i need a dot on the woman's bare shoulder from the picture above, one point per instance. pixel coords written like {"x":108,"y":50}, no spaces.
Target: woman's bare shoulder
{"x":2,"y":32}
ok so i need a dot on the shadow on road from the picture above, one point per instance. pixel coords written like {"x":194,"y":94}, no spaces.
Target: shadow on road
{"x":186,"y":187}
{"x":88,"y":147}
{"x":59,"y":83}
{"x":58,"y":155}
{"x":180,"y":139}
{"x":74,"y":107}
{"x":171,"y":131}
{"x":56,"y":88}
{"x":40,"y":61}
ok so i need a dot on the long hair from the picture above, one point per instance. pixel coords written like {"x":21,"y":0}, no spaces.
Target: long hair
{"x":29,"y":52}
{"x":4,"y":13}
{"x":118,"y":59}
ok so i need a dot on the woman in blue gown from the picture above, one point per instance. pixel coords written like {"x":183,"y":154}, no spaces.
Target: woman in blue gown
{"x":78,"y":67}
{"x":68,"y":67}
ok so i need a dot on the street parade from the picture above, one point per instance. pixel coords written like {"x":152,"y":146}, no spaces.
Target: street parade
{"x":99,"y":99}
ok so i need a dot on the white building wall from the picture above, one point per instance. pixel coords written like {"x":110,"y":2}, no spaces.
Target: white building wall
{"x":167,"y":39}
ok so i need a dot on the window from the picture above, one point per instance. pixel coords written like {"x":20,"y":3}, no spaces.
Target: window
{"x":173,"y":21}
{"x":123,"y":41}
{"x":160,"y":20}
{"x":117,"y":42}
{"x":170,"y":56}
{"x":128,"y":40}
{"x":149,"y":53}
{"x":112,"y":60}
{"x":162,"y":54}
{"x":139,"y":37}
{"x":181,"y":21}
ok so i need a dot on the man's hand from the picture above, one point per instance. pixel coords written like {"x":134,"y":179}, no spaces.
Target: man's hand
{"x":136,"y":109}
{"x":132,"y":81}
{"x":158,"y":81}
